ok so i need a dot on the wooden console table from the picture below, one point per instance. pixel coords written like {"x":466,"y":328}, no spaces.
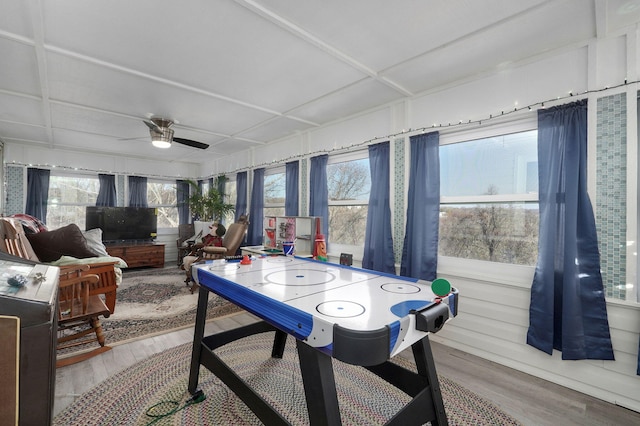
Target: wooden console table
{"x":138,"y":254}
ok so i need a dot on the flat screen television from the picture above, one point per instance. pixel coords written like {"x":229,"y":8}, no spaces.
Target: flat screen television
{"x":123,"y":223}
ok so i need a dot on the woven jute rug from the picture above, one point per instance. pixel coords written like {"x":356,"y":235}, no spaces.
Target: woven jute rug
{"x":151,"y":302}
{"x":364,"y":398}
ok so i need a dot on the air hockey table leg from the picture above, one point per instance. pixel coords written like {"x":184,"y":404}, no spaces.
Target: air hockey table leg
{"x":422,"y":386}
{"x":198,"y":334}
{"x":279,"y":342}
{"x":319,"y":386}
{"x":427,"y":368}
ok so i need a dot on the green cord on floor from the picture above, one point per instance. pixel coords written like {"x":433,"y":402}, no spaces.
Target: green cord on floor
{"x":174,"y":407}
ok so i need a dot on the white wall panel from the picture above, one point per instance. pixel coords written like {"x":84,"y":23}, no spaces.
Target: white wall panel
{"x":229,"y":165}
{"x":349,"y":132}
{"x":611,"y":51}
{"x":39,"y":156}
{"x":549,"y":78}
{"x":498,"y":333}
{"x":278,"y":152}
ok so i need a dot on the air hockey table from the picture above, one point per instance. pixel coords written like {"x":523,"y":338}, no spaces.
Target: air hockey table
{"x":357,"y":316}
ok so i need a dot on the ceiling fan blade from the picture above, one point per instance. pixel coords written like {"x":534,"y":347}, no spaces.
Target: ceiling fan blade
{"x":136,"y":138}
{"x":189,"y":142}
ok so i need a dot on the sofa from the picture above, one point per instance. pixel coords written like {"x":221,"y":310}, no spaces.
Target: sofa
{"x":65,"y":247}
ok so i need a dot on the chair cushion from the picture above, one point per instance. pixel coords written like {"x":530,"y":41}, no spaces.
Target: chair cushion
{"x":68,"y":240}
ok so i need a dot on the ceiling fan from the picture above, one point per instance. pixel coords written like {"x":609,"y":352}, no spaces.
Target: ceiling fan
{"x":162,"y":134}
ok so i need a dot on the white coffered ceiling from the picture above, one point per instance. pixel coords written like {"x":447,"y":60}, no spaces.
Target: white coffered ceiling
{"x":82,"y":75}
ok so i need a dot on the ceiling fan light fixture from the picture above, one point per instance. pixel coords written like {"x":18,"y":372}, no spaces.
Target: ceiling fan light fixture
{"x":162,"y":139}
{"x":160,"y":143}
{"x":162,"y":134}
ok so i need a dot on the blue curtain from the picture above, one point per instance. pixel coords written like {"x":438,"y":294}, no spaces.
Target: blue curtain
{"x":378,"y":241}
{"x":291,"y":203}
{"x":567,"y":311}
{"x":420,"y":249}
{"x":37,"y":193}
{"x":182,"y":194}
{"x":138,"y":191}
{"x":241,"y":194}
{"x":319,"y":192}
{"x":107,"y":191}
{"x":256,"y":216}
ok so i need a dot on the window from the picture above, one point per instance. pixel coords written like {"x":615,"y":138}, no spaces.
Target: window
{"x":163,"y":196}
{"x":349,"y":182}
{"x":274,"y":191}
{"x":230,"y":196}
{"x":489,"y":199}
{"x":69,"y":195}
{"x":205,"y":186}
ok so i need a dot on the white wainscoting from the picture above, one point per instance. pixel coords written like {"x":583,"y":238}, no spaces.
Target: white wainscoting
{"x":494,"y":317}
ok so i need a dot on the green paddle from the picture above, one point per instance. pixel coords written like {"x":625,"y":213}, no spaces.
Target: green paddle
{"x":440,"y":287}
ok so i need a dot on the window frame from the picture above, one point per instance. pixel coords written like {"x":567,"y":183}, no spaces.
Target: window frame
{"x":334,"y":249}
{"x":503,"y":273}
{"x":205,"y":186}
{"x":171,"y":183}
{"x":231,"y":197}
{"x":270,"y":172}
{"x":54,"y":173}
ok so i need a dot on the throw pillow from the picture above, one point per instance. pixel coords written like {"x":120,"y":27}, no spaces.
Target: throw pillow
{"x":94,"y":241}
{"x":68,"y":240}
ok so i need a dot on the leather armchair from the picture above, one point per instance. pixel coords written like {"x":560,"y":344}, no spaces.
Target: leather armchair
{"x":231,"y":242}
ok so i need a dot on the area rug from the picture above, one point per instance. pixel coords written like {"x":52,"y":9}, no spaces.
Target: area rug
{"x":151,"y":302}
{"x":364,"y":398}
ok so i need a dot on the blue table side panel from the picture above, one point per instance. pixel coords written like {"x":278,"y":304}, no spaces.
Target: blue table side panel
{"x":286,"y":318}
{"x":451,"y":301}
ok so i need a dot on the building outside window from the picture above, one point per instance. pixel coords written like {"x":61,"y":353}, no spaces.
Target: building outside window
{"x":489,"y":198}
{"x":68,"y":197}
{"x":163,"y":196}
{"x":349,"y":182}
{"x":274,"y":191}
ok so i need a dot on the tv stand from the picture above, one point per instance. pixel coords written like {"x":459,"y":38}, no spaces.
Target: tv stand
{"x":137,"y":253}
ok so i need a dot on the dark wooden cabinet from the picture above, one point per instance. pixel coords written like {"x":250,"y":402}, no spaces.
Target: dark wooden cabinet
{"x":138,"y":255}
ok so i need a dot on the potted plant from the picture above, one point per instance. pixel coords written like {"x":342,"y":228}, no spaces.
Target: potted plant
{"x":207,"y":207}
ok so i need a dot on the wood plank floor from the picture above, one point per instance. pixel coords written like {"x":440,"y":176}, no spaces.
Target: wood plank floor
{"x":531,"y":400}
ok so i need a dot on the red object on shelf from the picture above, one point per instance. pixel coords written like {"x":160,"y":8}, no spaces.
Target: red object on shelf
{"x":271,"y":238}
{"x":320,"y":246}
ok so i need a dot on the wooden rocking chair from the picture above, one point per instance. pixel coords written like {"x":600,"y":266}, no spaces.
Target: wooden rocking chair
{"x":79,"y":315}
{"x":14,"y":241}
